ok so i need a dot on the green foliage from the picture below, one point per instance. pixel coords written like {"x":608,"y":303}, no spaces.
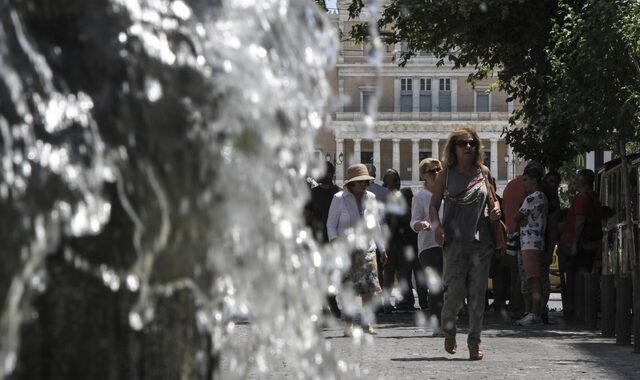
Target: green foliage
{"x":571,"y":65}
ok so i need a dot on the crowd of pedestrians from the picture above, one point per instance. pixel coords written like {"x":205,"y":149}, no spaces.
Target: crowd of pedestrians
{"x":441,"y":244}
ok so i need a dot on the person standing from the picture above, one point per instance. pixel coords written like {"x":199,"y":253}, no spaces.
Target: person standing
{"x":348,"y":207}
{"x":465,"y":235}
{"x":581,"y":244}
{"x":512,"y":197}
{"x":430,"y":255}
{"x":550,"y":185}
{"x":317,"y":210}
{"x":316,"y":214}
{"x":381,"y":193}
{"x":531,"y":220}
{"x":402,"y":237}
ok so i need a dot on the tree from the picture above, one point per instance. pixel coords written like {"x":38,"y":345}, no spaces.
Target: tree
{"x":506,"y":38}
{"x":572,"y":65}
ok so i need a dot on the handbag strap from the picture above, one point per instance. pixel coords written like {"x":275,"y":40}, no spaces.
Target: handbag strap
{"x":491,"y":192}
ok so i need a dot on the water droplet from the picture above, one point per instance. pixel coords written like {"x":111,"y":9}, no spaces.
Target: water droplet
{"x":10,"y":362}
{"x":135,"y":321}
{"x":180,"y":9}
{"x":153,"y":89}
{"x":133,"y":283}
{"x":434,"y":282}
{"x":409,"y":253}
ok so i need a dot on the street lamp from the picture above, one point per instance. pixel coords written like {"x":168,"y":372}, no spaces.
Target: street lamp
{"x":513,"y":161}
{"x":506,"y":161}
{"x":336,"y":159}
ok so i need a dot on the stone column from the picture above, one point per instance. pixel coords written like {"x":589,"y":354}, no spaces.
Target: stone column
{"x":435,"y":94}
{"x":590,"y":160}
{"x":415,"y":160}
{"x":435,"y":148}
{"x":511,"y":164}
{"x":454,"y":94}
{"x":341,"y":94}
{"x":396,"y":155}
{"x":396,"y":95}
{"x":357,"y":155}
{"x":494,"y":158}
{"x":339,"y":165}
{"x":376,"y":155}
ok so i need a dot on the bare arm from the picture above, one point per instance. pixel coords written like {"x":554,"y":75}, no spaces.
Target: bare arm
{"x":517,"y":220}
{"x":332,"y":219}
{"x":419,"y":215}
{"x":434,"y":207}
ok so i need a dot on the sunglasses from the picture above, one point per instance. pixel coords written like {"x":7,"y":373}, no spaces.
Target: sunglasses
{"x":464,"y":143}
{"x":434,"y":170}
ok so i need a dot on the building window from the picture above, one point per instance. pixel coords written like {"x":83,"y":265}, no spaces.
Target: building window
{"x":482,"y":101}
{"x":425,"y":95}
{"x":365,"y":97}
{"x":445,"y":84}
{"x":406,"y":95}
{"x":444,"y":95}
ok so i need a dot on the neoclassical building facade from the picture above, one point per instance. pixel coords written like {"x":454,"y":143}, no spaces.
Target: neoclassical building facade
{"x":418,"y":106}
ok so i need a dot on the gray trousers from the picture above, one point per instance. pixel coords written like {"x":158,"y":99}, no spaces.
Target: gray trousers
{"x":466,"y":271}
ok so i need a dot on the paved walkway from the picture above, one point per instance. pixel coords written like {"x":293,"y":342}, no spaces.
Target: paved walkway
{"x":402,"y":350}
{"x":554,"y":351}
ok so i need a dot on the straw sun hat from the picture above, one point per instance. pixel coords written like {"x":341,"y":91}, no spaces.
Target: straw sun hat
{"x":357,"y":172}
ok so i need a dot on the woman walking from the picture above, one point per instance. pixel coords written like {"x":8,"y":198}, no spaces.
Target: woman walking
{"x":430,"y":252}
{"x":465,"y":235}
{"x":347,"y":208}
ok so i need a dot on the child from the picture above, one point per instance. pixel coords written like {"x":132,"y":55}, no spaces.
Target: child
{"x":532,"y":219}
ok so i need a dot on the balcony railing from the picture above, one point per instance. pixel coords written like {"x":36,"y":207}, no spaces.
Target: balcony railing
{"x":427,"y":116}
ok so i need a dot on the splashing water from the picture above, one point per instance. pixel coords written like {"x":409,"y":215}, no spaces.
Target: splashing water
{"x":194,"y":122}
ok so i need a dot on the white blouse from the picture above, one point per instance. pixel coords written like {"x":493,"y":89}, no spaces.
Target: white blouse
{"x":344,"y":213}
{"x":420,"y":212}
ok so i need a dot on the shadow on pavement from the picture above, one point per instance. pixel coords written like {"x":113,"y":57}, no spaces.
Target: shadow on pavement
{"x":430,"y":359}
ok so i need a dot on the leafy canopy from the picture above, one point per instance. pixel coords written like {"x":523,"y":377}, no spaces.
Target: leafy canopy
{"x":570,"y":65}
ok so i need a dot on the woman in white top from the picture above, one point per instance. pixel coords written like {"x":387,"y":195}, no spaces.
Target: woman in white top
{"x":347,"y":208}
{"x":430,"y":252}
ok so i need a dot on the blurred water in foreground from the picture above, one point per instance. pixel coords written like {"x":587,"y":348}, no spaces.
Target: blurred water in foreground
{"x":154,"y":148}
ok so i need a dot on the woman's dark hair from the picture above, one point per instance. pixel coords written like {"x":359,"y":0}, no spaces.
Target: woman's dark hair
{"x":553,"y":173}
{"x":534,"y":171}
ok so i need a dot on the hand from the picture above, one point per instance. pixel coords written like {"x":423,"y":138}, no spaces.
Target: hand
{"x":495,"y":213}
{"x":423,"y":225}
{"x":440,"y":238}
